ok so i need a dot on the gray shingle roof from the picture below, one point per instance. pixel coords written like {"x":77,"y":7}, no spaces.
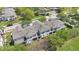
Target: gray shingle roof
{"x":18,"y":34}
{"x":37,"y":26}
{"x":54,"y":23}
{"x":8,"y":11}
{"x":40,"y":26}
{"x":27,"y":32}
{"x":30,"y":30}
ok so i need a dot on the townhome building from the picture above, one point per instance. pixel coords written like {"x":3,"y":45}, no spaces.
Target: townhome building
{"x":36,"y":30}
{"x":1,"y":38}
{"x":7,"y":14}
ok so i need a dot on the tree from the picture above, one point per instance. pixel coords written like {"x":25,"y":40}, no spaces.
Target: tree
{"x":70,"y":15}
{"x":26,"y":13}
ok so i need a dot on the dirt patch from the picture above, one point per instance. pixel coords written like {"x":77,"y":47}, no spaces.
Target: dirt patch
{"x":41,"y":45}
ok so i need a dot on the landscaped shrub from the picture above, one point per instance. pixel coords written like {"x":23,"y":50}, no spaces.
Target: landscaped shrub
{"x":61,"y":36}
{"x":73,"y":33}
{"x":20,"y":47}
{"x":41,"y":18}
{"x":53,"y":48}
{"x":69,"y":26}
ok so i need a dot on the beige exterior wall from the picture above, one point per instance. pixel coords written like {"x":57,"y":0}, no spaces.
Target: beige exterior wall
{"x":19,"y":41}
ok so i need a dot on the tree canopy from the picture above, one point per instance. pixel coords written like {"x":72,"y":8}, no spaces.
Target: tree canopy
{"x":25,"y":13}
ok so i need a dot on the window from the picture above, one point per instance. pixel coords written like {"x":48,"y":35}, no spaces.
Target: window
{"x":47,"y":31}
{"x":38,"y":33}
{"x":25,"y":39}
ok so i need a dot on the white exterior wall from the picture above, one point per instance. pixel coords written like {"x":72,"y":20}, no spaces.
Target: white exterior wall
{"x":45,"y":34}
{"x":1,"y":41}
{"x":29,"y":41}
{"x":34,"y":37}
{"x":8,"y":18}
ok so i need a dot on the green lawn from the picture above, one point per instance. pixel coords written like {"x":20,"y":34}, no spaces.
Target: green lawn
{"x":40,"y":18}
{"x":5,"y":23}
{"x":71,"y":45}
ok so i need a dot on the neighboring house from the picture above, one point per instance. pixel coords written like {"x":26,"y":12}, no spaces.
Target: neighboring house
{"x":1,"y":41}
{"x":1,"y":38}
{"x":53,"y":14}
{"x":46,"y":11}
{"x":7,"y":14}
{"x":36,"y":30}
{"x":54,"y":8}
{"x":16,"y":27}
